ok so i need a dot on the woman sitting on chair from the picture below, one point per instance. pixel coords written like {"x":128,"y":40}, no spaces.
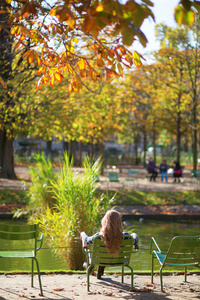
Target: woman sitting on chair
{"x":177,"y":171}
{"x":112,"y":235}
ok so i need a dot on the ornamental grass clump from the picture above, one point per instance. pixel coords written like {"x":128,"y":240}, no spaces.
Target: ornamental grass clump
{"x":70,"y":205}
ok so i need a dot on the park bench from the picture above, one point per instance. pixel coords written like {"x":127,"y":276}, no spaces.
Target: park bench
{"x":184,"y":251}
{"x":98,"y":255}
{"x":148,"y":175}
{"x":17,"y":234}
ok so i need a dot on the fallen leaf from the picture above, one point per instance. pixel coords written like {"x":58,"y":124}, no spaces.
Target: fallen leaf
{"x":109,"y":294}
{"x":59,"y":289}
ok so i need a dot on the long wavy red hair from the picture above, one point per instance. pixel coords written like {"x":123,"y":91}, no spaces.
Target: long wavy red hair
{"x":111,"y":231}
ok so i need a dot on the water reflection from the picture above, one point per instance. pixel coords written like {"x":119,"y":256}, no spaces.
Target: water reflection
{"x":141,"y":261}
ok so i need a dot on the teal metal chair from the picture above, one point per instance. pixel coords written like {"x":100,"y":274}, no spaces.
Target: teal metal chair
{"x":184,"y":251}
{"x":22,"y":233}
{"x":133,"y":176}
{"x":99,"y":256}
{"x":113,"y":177}
{"x":196,"y":176}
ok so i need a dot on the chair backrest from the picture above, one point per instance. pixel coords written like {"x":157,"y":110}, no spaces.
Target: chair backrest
{"x":184,"y":250}
{"x":132,"y":172}
{"x":101,"y":256}
{"x":18,"y":232}
{"x":113,"y":176}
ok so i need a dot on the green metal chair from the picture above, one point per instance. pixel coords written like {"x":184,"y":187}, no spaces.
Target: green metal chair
{"x":195,"y":174}
{"x":113,"y":177}
{"x":98,"y":255}
{"x":22,"y":233}
{"x":133,"y":176}
{"x":184,"y":251}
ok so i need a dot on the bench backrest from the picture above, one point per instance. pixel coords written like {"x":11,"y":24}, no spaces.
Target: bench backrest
{"x":184,"y":251}
{"x":101,"y":256}
{"x":113,"y":176}
{"x":132,"y":172}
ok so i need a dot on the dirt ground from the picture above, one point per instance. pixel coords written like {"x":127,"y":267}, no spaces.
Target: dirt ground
{"x":68,"y":287}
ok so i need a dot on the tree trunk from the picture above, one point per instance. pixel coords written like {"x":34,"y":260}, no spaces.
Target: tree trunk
{"x":91,"y":151}
{"x":178,"y":137}
{"x":136,"y":148}
{"x":154,"y":143}
{"x":80,"y":153}
{"x":6,"y":157}
{"x":194,"y":132}
{"x":144,"y":148}
{"x":65,"y":146}
{"x":6,"y":144}
{"x":48,"y":148}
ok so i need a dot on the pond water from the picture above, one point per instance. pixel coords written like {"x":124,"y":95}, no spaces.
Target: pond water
{"x":163,"y":232}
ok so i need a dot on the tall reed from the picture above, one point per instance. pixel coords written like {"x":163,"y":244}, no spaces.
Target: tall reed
{"x":66,"y":204}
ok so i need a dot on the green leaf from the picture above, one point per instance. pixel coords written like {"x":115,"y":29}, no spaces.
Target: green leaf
{"x":188,"y":17}
{"x":128,"y":36}
{"x":184,"y":16}
{"x":137,"y":59}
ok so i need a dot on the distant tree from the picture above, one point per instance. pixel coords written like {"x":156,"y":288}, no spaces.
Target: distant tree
{"x":186,"y":42}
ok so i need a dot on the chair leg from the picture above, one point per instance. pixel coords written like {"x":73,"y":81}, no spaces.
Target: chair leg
{"x":38,"y":271}
{"x":122,"y":274}
{"x":185,"y":274}
{"x":88,"y":277}
{"x":152,"y":267}
{"x":132,"y":275}
{"x":32,"y":268}
{"x":161,"y":280}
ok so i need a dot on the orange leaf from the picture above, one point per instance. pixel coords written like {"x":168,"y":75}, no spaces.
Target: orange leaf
{"x":59,"y":289}
{"x":52,"y":80}
{"x":38,"y":60}
{"x":3,"y":83}
{"x":88,"y":23}
{"x":100,"y":61}
{"x":30,"y":57}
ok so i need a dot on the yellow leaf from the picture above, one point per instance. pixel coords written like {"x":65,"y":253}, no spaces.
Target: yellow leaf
{"x":99,"y":8}
{"x":70,"y":88}
{"x":58,"y":76}
{"x":52,"y":80}
{"x":70,"y":70}
{"x":137,"y":59}
{"x":15,"y":30}
{"x":82,"y":64}
{"x":39,"y":71}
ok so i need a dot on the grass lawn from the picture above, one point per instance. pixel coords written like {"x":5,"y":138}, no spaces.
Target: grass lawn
{"x":122,"y":197}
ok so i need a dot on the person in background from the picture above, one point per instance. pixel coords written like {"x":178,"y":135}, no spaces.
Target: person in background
{"x":177,"y":171}
{"x":151,"y":167}
{"x":111,"y":233}
{"x":163,"y":170}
